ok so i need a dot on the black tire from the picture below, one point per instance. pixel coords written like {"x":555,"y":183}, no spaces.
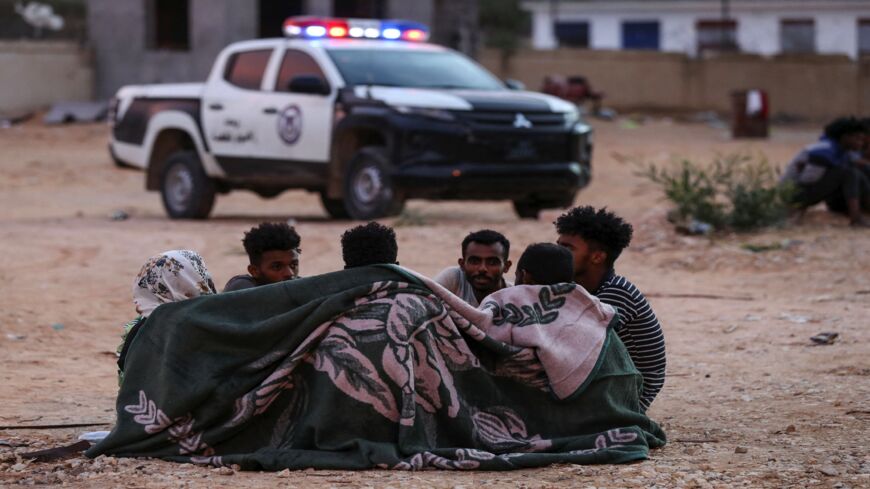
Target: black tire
{"x":334,"y":207}
{"x":188,"y":193}
{"x":368,"y":186}
{"x":526,"y":209}
{"x":531,"y":208}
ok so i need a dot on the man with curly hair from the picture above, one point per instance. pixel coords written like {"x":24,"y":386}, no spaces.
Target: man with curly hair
{"x":596,"y":238}
{"x":369,"y":244}
{"x":273,"y":256}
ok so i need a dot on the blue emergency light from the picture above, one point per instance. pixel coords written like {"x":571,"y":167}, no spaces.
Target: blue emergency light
{"x":328,"y":28}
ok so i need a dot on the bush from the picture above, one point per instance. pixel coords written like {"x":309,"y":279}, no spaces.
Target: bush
{"x":735,"y":191}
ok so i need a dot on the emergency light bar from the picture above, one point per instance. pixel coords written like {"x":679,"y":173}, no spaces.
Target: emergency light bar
{"x":328,"y":28}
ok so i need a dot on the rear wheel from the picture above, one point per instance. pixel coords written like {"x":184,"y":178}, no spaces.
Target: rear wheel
{"x":368,"y":187}
{"x":188,"y":193}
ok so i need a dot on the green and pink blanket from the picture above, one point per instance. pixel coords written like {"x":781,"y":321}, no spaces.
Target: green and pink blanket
{"x":378,"y":367}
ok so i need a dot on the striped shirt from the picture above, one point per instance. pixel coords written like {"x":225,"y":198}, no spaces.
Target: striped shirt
{"x":639,"y":329}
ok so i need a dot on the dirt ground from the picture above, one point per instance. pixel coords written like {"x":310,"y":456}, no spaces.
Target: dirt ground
{"x":748,"y":401}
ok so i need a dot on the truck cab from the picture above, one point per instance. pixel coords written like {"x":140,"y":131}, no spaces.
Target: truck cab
{"x":363,"y":112}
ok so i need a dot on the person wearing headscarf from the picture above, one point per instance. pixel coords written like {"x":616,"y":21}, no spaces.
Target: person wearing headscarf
{"x":171,"y":276}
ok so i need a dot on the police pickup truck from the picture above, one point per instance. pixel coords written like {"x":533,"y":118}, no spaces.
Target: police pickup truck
{"x":363,"y":112}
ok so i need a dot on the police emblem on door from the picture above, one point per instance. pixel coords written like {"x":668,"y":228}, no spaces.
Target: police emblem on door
{"x":290,"y":124}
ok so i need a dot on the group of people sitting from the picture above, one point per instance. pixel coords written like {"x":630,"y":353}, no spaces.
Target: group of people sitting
{"x":835,"y":170}
{"x":588,"y":245}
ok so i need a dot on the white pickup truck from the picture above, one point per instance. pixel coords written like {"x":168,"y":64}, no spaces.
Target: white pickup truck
{"x":361,"y":111}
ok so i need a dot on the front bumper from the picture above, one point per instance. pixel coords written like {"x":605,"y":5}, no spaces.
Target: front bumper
{"x":486,"y":181}
{"x":476,"y":161}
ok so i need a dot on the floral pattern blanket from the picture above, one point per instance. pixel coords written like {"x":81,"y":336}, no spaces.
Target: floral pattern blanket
{"x":379,"y":367}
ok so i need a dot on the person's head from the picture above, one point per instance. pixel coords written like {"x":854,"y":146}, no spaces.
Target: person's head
{"x":169,"y":277}
{"x":848,"y":132}
{"x":273,"y":252}
{"x":369,"y":244}
{"x":485,"y":259}
{"x":594,"y":237}
{"x":545,"y":264}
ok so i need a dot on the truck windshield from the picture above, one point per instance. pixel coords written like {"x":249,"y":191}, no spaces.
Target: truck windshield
{"x":417,"y":69}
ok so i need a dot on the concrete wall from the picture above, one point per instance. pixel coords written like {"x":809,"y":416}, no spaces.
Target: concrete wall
{"x":38,"y":74}
{"x":758,"y":23}
{"x":118,"y":36}
{"x":811,"y":86}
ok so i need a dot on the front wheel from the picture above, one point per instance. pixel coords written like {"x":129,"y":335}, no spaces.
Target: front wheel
{"x":334,"y":207}
{"x":368,"y":187}
{"x":188,"y":193}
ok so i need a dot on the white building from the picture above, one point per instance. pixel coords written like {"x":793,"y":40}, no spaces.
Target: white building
{"x":764,"y":27}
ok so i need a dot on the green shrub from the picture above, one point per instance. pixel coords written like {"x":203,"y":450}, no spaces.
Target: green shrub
{"x":734,"y":191}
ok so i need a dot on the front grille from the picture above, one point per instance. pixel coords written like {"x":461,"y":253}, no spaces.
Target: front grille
{"x":501,"y":119}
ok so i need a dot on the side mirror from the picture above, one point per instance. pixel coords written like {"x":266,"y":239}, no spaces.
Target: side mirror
{"x":514,"y":84}
{"x":310,"y":84}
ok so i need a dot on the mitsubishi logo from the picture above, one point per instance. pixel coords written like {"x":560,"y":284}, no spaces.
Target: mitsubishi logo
{"x":520,"y":122}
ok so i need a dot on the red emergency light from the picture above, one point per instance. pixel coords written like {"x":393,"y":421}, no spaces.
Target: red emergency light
{"x":329,"y":28}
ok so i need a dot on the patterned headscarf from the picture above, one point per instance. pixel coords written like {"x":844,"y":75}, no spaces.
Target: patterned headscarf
{"x":169,"y":277}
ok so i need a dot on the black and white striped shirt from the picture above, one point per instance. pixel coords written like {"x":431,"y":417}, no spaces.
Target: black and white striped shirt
{"x":639,"y":329}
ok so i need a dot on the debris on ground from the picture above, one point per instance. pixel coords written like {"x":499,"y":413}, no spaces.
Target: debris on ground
{"x":66,"y":112}
{"x":825,"y":338}
{"x":9,"y":120}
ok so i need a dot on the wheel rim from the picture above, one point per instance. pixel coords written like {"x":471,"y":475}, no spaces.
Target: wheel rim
{"x":179,"y":187}
{"x":367,"y":186}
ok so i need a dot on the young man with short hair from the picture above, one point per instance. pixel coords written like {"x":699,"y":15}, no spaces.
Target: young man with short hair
{"x":824,"y":171}
{"x":596,"y":239}
{"x":369,"y":244}
{"x":481,"y":269}
{"x":273,"y":254}
{"x":545,"y":264}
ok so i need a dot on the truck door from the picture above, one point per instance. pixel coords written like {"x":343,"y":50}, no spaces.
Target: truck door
{"x":294,"y":127}
{"x":229,"y":101}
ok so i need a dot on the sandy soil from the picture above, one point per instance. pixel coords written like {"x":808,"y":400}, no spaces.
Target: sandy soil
{"x":748,"y":401}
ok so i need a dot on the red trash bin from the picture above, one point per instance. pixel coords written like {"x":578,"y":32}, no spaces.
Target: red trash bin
{"x":750,"y":109}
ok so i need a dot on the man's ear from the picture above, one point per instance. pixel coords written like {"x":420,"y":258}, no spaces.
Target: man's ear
{"x":253,"y":271}
{"x":461,"y":262}
{"x":598,"y":257}
{"x":507,"y":265}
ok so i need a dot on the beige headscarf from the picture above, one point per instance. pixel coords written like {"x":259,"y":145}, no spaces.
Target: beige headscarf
{"x":169,"y":277}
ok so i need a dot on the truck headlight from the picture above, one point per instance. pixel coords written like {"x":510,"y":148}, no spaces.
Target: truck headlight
{"x":571,"y":117}
{"x":437,"y":114}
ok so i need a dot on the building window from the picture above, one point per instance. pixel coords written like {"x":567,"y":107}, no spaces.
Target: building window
{"x":864,"y":37}
{"x":717,"y":35}
{"x":572,"y":34}
{"x":273,"y":13}
{"x":169,"y":26}
{"x":362,"y":9}
{"x":798,"y":35}
{"x":640,"y":35}
{"x":296,"y":63}
{"x":245,"y":69}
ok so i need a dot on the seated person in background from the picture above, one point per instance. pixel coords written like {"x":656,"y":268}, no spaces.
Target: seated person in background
{"x":481,"y":269}
{"x":596,"y":239}
{"x":545,"y":264}
{"x":369,"y":244}
{"x":168,"y":277}
{"x":273,"y":254}
{"x":823,"y":171}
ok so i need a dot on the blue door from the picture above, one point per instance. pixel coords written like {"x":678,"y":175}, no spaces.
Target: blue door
{"x":640,"y":35}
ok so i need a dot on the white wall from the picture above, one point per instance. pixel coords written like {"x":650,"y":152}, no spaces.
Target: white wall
{"x":836,"y":22}
{"x":38,"y":74}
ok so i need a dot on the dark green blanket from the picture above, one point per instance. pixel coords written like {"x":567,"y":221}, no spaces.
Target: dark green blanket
{"x":364,"y":368}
